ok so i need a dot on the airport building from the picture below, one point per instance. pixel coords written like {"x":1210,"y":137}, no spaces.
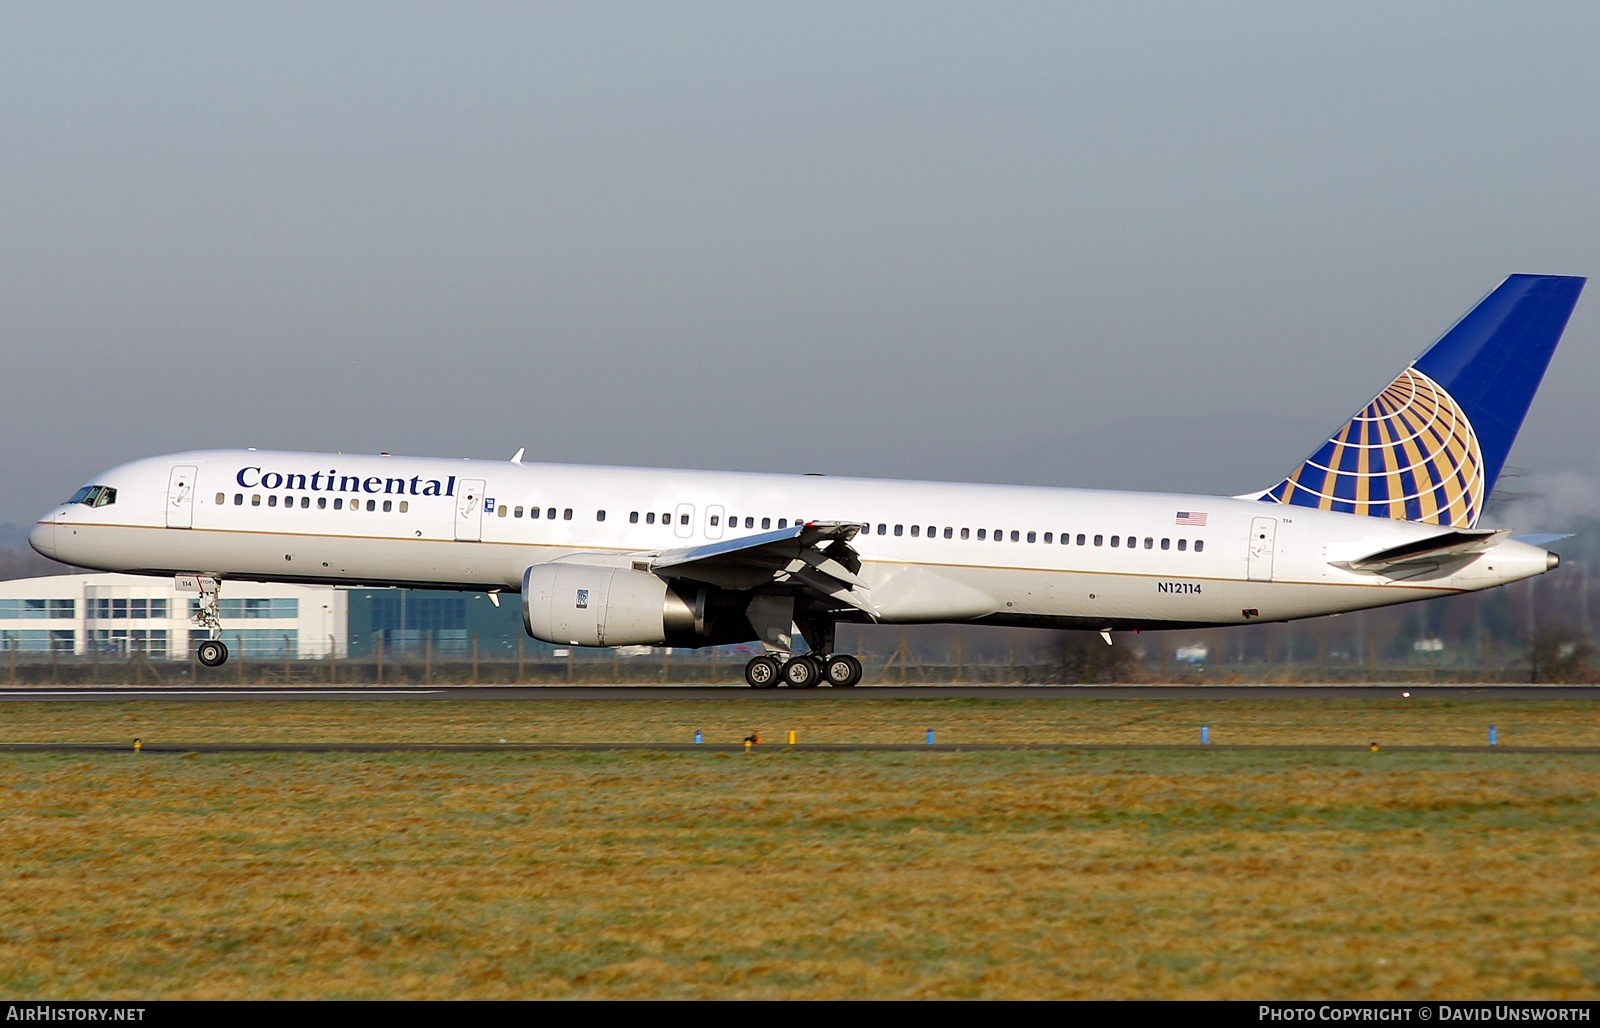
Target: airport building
{"x":449,"y":624}
{"x":120,"y":615}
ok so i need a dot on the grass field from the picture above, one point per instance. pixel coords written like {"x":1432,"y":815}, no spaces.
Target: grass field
{"x":1095,"y":873}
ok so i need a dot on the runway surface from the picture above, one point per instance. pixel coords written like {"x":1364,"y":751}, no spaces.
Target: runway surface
{"x":765,"y":747}
{"x":743,"y":694}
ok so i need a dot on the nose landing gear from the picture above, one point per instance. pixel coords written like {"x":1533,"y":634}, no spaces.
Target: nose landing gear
{"x":212,"y":653}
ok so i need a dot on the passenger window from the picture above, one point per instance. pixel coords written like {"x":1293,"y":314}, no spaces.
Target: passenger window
{"x":683,"y":519}
{"x":715,"y":520}
{"x":749,"y":522}
{"x":338,"y":503}
{"x":1183,"y":544}
{"x":238,"y":499}
{"x":1114,"y":539}
{"x":1081,"y":539}
{"x":1199,"y":545}
{"x":1047,"y":538}
{"x":899,"y":529}
{"x":322,"y":503}
{"x":516,"y":512}
{"x":550,"y":513}
{"x":784,"y":523}
{"x":600,"y":515}
{"x":222,"y":498}
{"x":1016,"y":536}
{"x":388,"y":506}
{"x":372,"y":505}
{"x":650,"y":518}
{"x":916,"y":531}
{"x":405,"y":505}
{"x":272,"y":501}
{"x":999,"y":536}
{"x":1032,"y":538}
{"x":883,"y":529}
{"x":767,"y":523}
{"x":964,"y":533}
{"x":1166,"y":544}
{"x":1100,"y":540}
{"x":566,"y":515}
{"x":948,"y":532}
{"x":1148,"y":542}
{"x":305,"y":502}
{"x":633,"y":517}
{"x":504,"y":511}
{"x":982,"y":533}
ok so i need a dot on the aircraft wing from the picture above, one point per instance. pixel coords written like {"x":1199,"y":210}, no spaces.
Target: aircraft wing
{"x":815,"y":556}
{"x":1434,"y":548}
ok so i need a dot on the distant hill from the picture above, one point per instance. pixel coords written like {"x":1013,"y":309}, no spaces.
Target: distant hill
{"x":19,"y":560}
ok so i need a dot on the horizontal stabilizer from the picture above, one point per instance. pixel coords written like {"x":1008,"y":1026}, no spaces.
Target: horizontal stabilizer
{"x":1542,"y":539}
{"x":1459,"y":543}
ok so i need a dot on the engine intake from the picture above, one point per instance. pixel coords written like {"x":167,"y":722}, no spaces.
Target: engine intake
{"x":591,"y":605}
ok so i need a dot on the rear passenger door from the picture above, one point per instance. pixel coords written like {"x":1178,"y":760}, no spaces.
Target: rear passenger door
{"x":469,"y":511}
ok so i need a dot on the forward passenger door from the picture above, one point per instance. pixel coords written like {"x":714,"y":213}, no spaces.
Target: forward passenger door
{"x":180,"y":496}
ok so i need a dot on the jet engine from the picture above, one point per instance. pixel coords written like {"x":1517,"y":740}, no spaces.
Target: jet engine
{"x":594,"y":605}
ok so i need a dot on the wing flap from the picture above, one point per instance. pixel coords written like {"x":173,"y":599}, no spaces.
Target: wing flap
{"x":811,"y":556}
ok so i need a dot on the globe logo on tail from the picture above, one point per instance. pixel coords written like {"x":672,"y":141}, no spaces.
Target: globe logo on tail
{"x":1411,"y":454}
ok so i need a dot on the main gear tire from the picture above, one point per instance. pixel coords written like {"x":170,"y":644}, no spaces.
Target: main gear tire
{"x":762,"y":673}
{"x":842,"y":671}
{"x":802,"y":672}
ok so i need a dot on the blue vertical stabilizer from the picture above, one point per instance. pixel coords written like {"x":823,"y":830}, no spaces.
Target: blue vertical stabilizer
{"x":1430,"y":447}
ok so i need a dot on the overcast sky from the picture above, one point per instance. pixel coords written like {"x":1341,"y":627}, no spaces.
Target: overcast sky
{"x":1136,"y":244}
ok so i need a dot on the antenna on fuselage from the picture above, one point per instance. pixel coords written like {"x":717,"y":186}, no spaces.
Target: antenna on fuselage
{"x":516,"y":458}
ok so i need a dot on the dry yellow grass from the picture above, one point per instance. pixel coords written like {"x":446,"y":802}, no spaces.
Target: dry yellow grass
{"x":781,"y":874}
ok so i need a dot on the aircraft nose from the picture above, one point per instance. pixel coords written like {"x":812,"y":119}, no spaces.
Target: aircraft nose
{"x":43,"y":538}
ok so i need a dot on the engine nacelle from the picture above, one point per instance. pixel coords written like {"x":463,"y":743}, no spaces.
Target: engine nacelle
{"x":593,"y":605}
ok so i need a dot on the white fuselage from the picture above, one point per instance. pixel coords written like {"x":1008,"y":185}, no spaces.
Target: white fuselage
{"x":932,"y":552}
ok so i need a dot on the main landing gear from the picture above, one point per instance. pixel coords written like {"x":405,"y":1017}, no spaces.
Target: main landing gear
{"x":803,"y":672}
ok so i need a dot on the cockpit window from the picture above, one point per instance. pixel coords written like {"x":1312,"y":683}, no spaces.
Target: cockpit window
{"x":95,"y":496}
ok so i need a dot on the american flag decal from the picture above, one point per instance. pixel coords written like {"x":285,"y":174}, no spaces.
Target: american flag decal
{"x":1197,"y":518}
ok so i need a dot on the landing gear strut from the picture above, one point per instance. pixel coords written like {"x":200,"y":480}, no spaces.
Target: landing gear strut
{"x":212,"y":652}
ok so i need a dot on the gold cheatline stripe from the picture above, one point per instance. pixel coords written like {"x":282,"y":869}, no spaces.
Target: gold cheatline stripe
{"x":897,"y":563}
